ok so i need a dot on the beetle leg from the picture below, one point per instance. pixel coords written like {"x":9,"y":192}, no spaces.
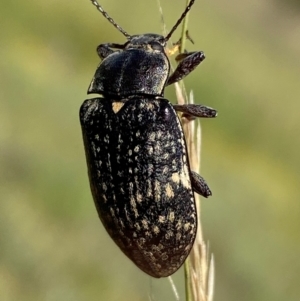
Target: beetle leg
{"x":191,"y":111}
{"x":199,"y":185}
{"x":105,"y":50}
{"x":188,"y":62}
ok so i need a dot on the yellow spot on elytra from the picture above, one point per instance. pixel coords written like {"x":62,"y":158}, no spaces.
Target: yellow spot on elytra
{"x":116,"y":106}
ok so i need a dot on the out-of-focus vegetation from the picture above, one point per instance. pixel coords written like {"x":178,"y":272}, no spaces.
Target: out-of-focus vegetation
{"x":52,"y":245}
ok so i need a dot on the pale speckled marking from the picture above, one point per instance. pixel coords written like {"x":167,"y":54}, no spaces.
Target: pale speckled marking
{"x":150,"y":106}
{"x":97,"y":137}
{"x":150,"y":167}
{"x":131,"y":187}
{"x":186,"y":226}
{"x":104,"y":187}
{"x":175,"y":177}
{"x":165,"y":156}
{"x":104,"y":198}
{"x":116,"y":106}
{"x":138,"y":133}
{"x":127,"y":215}
{"x":150,"y":150}
{"x":160,"y":247}
{"x":164,"y":256}
{"x":155,"y":249}
{"x":171,"y":216}
{"x":106,"y":139}
{"x":155,"y":229}
{"x":112,"y":212}
{"x":133,"y":207}
{"x":178,"y":236}
{"x":148,"y":234}
{"x":179,"y":224}
{"x":149,"y":188}
{"x":169,"y":191}
{"x":165,"y":169}
{"x":139,"y":198}
{"x":94,"y":148}
{"x":161,"y":218}
{"x":151,"y":136}
{"x":157,"y":190}
{"x":169,"y":234}
{"x":141,"y":241}
{"x":140,"y":117}
{"x":129,"y":152}
{"x":157,"y":148}
{"x":142,"y":105}
{"x":136,"y":149}
{"x":145,"y":224}
{"x":121,"y":223}
{"x":160,"y":133}
{"x":137,"y":226}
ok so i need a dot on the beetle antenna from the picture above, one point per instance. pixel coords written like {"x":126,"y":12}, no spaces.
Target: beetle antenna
{"x":180,"y":20}
{"x":105,"y":14}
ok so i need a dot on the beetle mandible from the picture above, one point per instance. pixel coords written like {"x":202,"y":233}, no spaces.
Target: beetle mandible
{"x":136,"y":153}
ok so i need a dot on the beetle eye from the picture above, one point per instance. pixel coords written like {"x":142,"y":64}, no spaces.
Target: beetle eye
{"x":156,"y":46}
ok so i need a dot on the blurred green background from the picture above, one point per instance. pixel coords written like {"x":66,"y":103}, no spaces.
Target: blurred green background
{"x":52,"y":245}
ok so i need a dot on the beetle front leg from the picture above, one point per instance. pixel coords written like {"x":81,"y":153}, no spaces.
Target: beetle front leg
{"x":199,"y":185}
{"x":189,"y":61}
{"x":191,"y":111}
{"x":105,"y":50}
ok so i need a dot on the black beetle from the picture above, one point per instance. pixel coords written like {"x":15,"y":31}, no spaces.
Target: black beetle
{"x":136,"y":153}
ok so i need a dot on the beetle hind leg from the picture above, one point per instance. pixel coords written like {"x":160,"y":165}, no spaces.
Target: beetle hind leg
{"x":191,"y":111}
{"x":199,"y":185}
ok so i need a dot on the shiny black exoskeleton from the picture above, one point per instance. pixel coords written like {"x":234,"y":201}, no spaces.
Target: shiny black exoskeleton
{"x":136,"y":153}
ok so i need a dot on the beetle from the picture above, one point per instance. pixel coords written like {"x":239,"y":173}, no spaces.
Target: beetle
{"x":136,"y":154}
